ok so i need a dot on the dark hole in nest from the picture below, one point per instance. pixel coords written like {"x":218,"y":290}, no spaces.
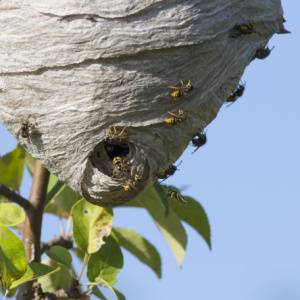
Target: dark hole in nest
{"x":114,"y":150}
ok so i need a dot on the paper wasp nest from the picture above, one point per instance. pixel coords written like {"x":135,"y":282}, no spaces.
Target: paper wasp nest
{"x":85,"y":85}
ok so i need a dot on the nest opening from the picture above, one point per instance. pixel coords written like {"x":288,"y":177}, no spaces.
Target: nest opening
{"x":116,"y":150}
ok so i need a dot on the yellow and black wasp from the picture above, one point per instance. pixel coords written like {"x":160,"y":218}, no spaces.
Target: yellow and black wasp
{"x":175,"y":117}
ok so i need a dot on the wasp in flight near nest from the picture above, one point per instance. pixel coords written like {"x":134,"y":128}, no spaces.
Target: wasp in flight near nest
{"x":117,"y":134}
{"x":242,"y":29}
{"x":180,"y":89}
{"x":199,"y":139}
{"x":174,"y":195}
{"x":237,"y":93}
{"x":175,"y":117}
{"x":26,"y":130}
{"x":263,"y":53}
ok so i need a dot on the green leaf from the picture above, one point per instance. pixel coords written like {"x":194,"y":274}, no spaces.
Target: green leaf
{"x":102,"y":282}
{"x":194,"y":214}
{"x":11,"y":214}
{"x":61,"y":279}
{"x":119,"y":295}
{"x":60,"y":198}
{"x":12,"y":168}
{"x":34,"y":271}
{"x":106,"y":263}
{"x":91,"y":224}
{"x":79,"y":253}
{"x":139,"y":247}
{"x":61,"y":255}
{"x":98,"y":293}
{"x":170,"y":226}
{"x":13,"y":260}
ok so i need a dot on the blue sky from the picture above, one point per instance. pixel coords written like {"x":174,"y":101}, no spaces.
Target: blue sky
{"x":247,"y":178}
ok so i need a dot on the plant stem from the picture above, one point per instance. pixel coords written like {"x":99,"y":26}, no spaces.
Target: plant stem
{"x":5,"y":295}
{"x":14,"y":197}
{"x":33,"y":224}
{"x":84,"y":264}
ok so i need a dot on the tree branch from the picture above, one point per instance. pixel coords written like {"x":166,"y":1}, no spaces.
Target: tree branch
{"x":57,"y":241}
{"x":33,"y":225}
{"x":14,"y":197}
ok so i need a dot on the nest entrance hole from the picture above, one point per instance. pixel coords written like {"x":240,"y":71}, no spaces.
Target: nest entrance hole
{"x":116,"y":150}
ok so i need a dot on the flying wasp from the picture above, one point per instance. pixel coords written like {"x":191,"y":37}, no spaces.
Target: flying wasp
{"x":180,"y":89}
{"x":175,"y":117}
{"x":199,"y":139}
{"x":174,"y":195}
{"x":262,"y":53}
{"x":117,"y":134}
{"x":242,"y":29}
{"x":236,"y":94}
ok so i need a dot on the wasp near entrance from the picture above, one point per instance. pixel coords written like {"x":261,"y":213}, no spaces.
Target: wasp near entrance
{"x":170,"y":171}
{"x":263,"y":52}
{"x":180,"y":89}
{"x":242,"y":29}
{"x":237,"y":93}
{"x":117,"y":134}
{"x":26,"y":130}
{"x":199,"y":139}
{"x":175,"y":117}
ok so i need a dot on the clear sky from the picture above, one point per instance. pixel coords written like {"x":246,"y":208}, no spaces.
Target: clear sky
{"x":247,"y":178}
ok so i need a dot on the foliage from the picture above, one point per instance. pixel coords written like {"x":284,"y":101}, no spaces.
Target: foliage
{"x":97,"y":243}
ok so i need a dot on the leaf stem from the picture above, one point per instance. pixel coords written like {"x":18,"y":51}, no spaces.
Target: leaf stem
{"x":5,"y":295}
{"x":84,"y":264}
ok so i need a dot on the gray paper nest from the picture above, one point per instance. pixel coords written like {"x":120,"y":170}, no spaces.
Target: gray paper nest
{"x":90,"y":81}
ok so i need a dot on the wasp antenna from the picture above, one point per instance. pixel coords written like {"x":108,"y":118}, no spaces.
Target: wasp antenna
{"x":229,"y":104}
{"x":162,"y":180}
{"x":195,"y":150}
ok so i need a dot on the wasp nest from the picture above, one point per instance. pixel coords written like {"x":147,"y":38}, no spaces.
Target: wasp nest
{"x":108,"y":94}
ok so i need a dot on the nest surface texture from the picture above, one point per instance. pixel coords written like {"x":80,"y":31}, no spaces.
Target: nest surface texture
{"x":108,"y":94}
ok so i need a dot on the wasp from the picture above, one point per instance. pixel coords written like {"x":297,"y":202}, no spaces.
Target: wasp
{"x":117,"y":134}
{"x":175,"y":117}
{"x":262,"y":53}
{"x":170,"y":171}
{"x":242,"y":29}
{"x":174,"y":195}
{"x":120,"y":167}
{"x":180,"y":89}
{"x":26,"y":130}
{"x":236,"y":94}
{"x":199,"y":139}
{"x":131,"y":184}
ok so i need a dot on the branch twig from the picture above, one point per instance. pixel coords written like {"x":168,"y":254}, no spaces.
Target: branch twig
{"x":14,"y":197}
{"x":33,"y":224}
{"x":57,"y":241}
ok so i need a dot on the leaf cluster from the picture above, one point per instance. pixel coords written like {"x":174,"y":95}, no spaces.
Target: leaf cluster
{"x":95,"y":241}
